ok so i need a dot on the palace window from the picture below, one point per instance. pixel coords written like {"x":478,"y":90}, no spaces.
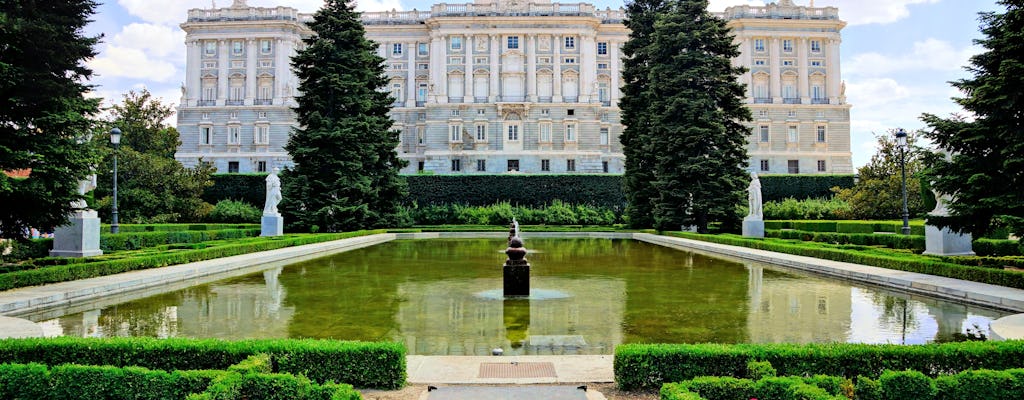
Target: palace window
{"x":481,"y":165}
{"x":261,"y":135}
{"x":570,"y":165}
{"x":821,"y":165}
{"x":787,"y":45}
{"x":236,"y":47}
{"x":821,"y":130}
{"x":604,"y":137}
{"x":456,"y":42}
{"x":396,"y":49}
{"x":570,"y":42}
{"x":545,"y":165}
{"x":764,"y":130}
{"x":815,"y":46}
{"x":455,"y":133}
{"x":234,"y":134}
{"x":232,"y":167}
{"x":205,"y":135}
{"x":758,"y":44}
{"x":570,"y":132}
{"x":791,"y":134}
{"x":602,"y":48}
{"x":764,"y":165}
{"x":793,"y":166}
{"x":513,"y":165}
{"x":422,"y":49}
{"x":265,"y":46}
{"x":456,"y":165}
{"x":261,"y":166}
{"x":545,"y":133}
{"x":481,"y":133}
{"x":513,"y":42}
{"x":210,"y":47}
{"x":513,"y":133}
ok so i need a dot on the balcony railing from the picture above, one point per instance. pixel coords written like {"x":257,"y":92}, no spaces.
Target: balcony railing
{"x":762,"y":100}
{"x":544,"y":99}
{"x":480,"y":99}
{"x":206,"y":103}
{"x":454,"y":99}
{"x":820,"y":101}
{"x":791,"y":100}
{"x":234,"y":102}
{"x":394,"y":17}
{"x":568,"y":99}
{"x":264,"y":102}
{"x":509,"y":99}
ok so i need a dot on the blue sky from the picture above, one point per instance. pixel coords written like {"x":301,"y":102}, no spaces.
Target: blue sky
{"x":897,"y":55}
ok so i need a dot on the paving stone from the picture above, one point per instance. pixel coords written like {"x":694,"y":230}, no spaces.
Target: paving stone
{"x":507,"y":393}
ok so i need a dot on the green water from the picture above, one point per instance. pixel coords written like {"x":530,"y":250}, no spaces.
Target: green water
{"x":433,"y":295}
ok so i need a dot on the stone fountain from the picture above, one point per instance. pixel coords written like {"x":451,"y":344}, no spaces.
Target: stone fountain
{"x":516,"y":270}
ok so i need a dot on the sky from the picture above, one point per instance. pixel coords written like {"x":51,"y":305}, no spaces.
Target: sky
{"x":898,"y":56}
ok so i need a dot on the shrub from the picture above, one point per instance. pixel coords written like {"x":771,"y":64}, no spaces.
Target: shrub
{"x":17,"y":250}
{"x":559,"y":213}
{"x":677,"y":391}
{"x":379,"y":365}
{"x":232,"y":211}
{"x":779,"y":387}
{"x":791,"y":208}
{"x":247,"y":188}
{"x":996,"y":247}
{"x":19,"y":381}
{"x":140,"y":240}
{"x":640,"y":366}
{"x":520,"y":190}
{"x":760,"y":369}
{"x":713,"y":388}
{"x":781,"y":187}
{"x":867,"y":389}
{"x":906,"y":385}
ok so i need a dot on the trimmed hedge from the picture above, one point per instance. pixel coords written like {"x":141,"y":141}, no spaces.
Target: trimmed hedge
{"x":846,"y":226}
{"x":648,"y":366}
{"x":908,"y":262}
{"x":37,"y":381}
{"x":139,"y":240}
{"x":363,"y":364}
{"x":69,"y":381}
{"x":907,"y":242}
{"x":781,"y":187}
{"x":526,"y":189}
{"x":126,"y":228}
{"x":82,"y":270}
{"x":522,"y":190}
{"x":998,"y":248}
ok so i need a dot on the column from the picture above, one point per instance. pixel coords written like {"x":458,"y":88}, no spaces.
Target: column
{"x":467,"y":76}
{"x":745,"y":61}
{"x":776,"y":74}
{"x":222,"y":71}
{"x":410,"y":74}
{"x":281,"y":70}
{"x":588,"y":68}
{"x":804,"y":88}
{"x":613,"y":56}
{"x":438,"y":73}
{"x":833,"y":79}
{"x":531,"y":68}
{"x":250,"y":71}
{"x":492,"y":94}
{"x":556,"y":64}
{"x":193,"y":73}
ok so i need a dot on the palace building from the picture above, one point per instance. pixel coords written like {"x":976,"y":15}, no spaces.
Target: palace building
{"x":506,"y":85}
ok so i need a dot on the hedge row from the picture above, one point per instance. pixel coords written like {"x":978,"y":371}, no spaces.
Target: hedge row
{"x":998,"y":248}
{"x":363,"y":364}
{"x":910,"y":263}
{"x":556,"y":213}
{"x":648,"y":366}
{"x":75,"y":271}
{"x":526,"y":190}
{"x":916,"y":227}
{"x":967,"y":385}
{"x":125,"y":228}
{"x":139,"y":240}
{"x":907,"y":242}
{"x":68,"y":382}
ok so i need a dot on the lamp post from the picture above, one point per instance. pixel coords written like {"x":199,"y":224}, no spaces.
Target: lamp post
{"x":115,"y":139}
{"x":901,"y":141}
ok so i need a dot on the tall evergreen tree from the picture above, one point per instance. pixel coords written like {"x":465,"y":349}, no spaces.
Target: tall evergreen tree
{"x":346,"y":167}
{"x":44,"y":118}
{"x":986,"y":173}
{"x":699,"y":140}
{"x":638,"y":180}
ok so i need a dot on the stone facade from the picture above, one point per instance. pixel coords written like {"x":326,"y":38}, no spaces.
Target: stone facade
{"x":501,"y":85}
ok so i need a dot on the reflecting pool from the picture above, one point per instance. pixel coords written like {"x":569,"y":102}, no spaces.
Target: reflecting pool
{"x":436,"y":296}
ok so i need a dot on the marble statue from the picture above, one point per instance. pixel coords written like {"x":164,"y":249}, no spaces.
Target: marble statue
{"x":754,"y":198}
{"x":84,"y":186}
{"x":273,"y":193}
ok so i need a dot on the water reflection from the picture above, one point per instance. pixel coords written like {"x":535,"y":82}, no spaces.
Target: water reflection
{"x":426,"y":294}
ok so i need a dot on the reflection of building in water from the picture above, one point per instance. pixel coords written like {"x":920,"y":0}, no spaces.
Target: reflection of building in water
{"x":792,"y":309}
{"x":452,"y":319}
{"x":247,"y":307}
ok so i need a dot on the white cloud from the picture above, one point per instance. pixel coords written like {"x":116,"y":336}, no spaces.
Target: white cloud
{"x":117,"y":61}
{"x":931,"y":54}
{"x":874,"y":92}
{"x":157,"y":40}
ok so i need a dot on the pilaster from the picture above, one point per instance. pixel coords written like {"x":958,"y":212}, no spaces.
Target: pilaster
{"x":250,"y":71}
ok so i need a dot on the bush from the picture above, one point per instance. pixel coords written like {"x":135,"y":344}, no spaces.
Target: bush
{"x":677,"y":391}
{"x":377,"y":365}
{"x":981,"y":384}
{"x":232,"y":211}
{"x":791,"y":208}
{"x":647,"y":366}
{"x":760,"y":369}
{"x":500,"y":214}
{"x":247,"y":188}
{"x":713,"y":388}
{"x":996,"y":247}
{"x":867,"y":389}
{"x":521,"y":190}
{"x":800,"y":187}
{"x":24,"y":249}
{"x":126,"y":228}
{"x":906,"y":385}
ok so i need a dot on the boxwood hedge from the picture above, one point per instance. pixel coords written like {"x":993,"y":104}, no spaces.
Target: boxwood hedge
{"x":648,"y":366}
{"x":363,"y":364}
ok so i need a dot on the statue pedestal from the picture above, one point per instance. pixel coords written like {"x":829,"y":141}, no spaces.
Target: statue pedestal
{"x":753,"y":228}
{"x":79,"y":238}
{"x":944,"y":242}
{"x":272,"y":225}
{"x":517,"y":278}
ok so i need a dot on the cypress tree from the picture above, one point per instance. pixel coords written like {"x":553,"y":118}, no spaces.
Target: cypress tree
{"x":638,"y":178}
{"x":45,"y":121}
{"x":985,"y":174}
{"x":699,"y":140}
{"x":345,"y":175}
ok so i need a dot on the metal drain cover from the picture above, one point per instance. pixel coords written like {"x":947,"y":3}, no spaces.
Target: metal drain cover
{"x":511,"y":370}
